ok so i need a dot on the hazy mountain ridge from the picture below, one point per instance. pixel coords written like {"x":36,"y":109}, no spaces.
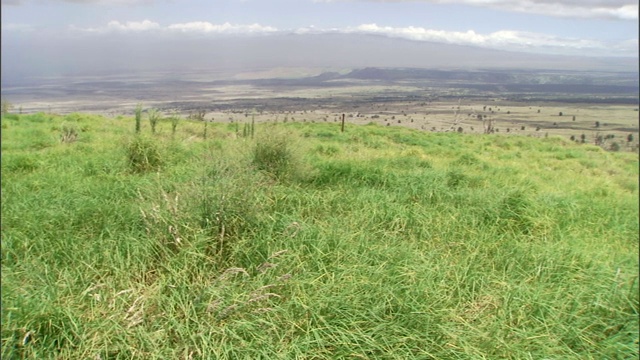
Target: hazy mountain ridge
{"x":507,"y":81}
{"x":498,"y":76}
{"x":25,"y":59}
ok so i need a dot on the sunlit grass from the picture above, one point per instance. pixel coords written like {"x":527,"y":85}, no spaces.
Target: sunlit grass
{"x":380,"y":242}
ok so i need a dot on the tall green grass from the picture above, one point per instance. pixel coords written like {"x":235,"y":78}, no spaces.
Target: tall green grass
{"x":305,"y":242}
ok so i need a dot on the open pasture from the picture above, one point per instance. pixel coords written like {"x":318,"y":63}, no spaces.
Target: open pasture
{"x":295,"y":240}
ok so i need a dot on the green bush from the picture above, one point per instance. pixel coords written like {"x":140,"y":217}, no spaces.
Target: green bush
{"x":143,"y":155}
{"x":273,"y":154}
{"x":615,"y":146}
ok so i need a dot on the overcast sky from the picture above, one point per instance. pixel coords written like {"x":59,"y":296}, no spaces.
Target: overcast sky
{"x":566,"y":27}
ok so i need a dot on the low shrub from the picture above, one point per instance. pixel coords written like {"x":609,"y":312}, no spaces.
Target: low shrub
{"x":68,"y":133}
{"x":143,"y":155}
{"x":273,"y":154}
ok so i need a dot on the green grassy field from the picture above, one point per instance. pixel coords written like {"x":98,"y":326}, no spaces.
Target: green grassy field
{"x":304,"y":242}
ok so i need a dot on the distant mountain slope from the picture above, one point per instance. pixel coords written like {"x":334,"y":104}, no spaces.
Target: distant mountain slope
{"x":28,"y":57}
{"x":496,"y":76}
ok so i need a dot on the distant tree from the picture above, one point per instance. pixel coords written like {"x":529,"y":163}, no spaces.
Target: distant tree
{"x":630,"y":138}
{"x":574,"y":118}
{"x":597,"y":124}
{"x":508,"y":112}
{"x":460,"y":130}
{"x":583,"y":137}
{"x":615,"y":146}
{"x":599,"y":140}
{"x":560,"y":113}
{"x":538,"y":111}
{"x":573,"y":138}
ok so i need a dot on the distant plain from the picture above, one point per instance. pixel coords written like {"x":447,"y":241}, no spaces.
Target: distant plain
{"x":524,"y":102}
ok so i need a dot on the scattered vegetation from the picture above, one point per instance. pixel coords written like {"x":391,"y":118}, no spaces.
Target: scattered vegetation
{"x":154,"y":117}
{"x":6,"y":106}
{"x":175,"y":120}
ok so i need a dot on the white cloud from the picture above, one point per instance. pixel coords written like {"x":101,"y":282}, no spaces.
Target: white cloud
{"x":17,"y":27}
{"x":99,"y":2}
{"x":607,"y":9}
{"x":133,"y":25}
{"x":226,"y":28}
{"x":502,"y":40}
{"x":194,"y":28}
{"x":116,"y":26}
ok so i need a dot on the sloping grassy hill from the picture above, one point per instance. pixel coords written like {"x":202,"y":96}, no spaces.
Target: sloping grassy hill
{"x":304,"y":242}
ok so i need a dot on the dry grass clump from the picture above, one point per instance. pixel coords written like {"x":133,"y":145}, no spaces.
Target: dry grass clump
{"x":68,"y":133}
